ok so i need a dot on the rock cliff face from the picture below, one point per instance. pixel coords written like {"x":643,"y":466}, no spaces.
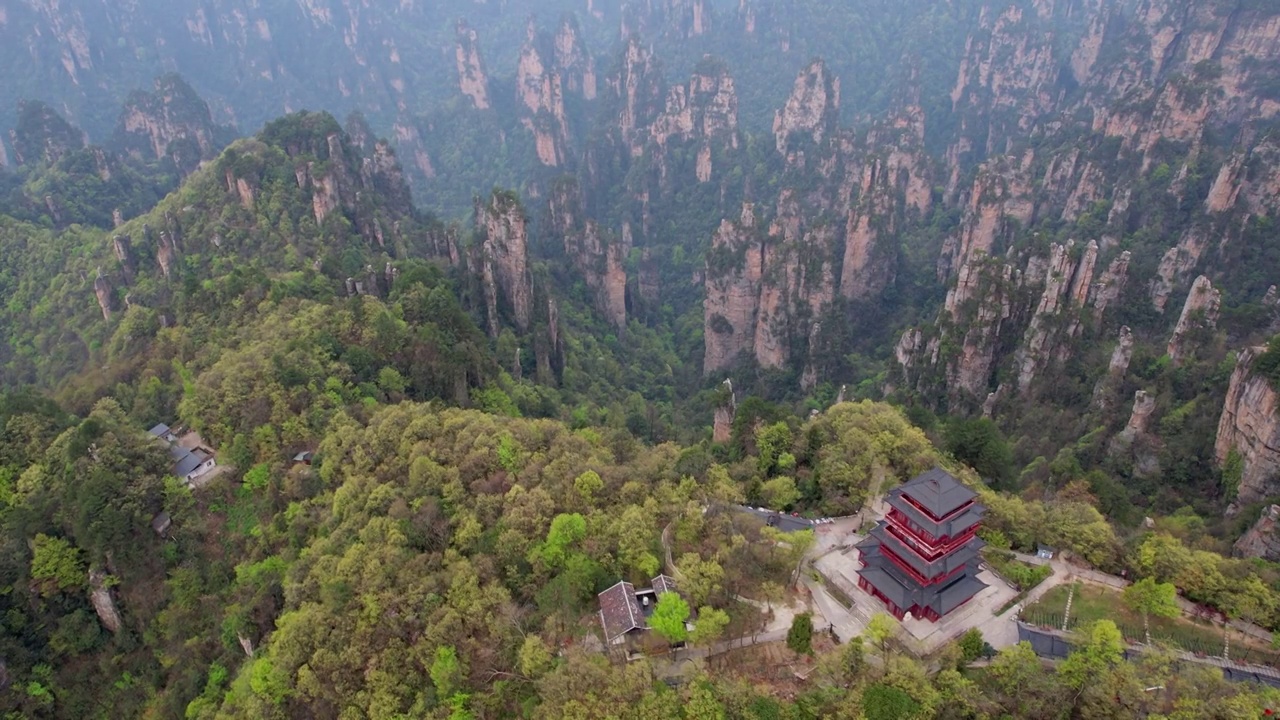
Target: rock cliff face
{"x":102,"y":290}
{"x":812,"y":112}
{"x":636,"y":95}
{"x":766,"y":287}
{"x":575,"y":62}
{"x":1056,"y":318}
{"x":42,"y":135}
{"x":735,"y":266}
{"x":890,"y":184}
{"x":103,"y":603}
{"x":726,"y":410}
{"x":1261,"y":540}
{"x":370,"y":192}
{"x":504,"y":261}
{"x":595,"y":253}
{"x":673,"y":18}
{"x":473,"y":81}
{"x":1165,"y":101}
{"x":1250,"y":429}
{"x":1199,"y":312}
{"x":166,"y":251}
{"x":170,"y":122}
{"x":541,"y":87}
{"x":705,"y":113}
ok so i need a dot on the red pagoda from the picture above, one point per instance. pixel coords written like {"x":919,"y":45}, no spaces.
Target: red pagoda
{"x":923,"y":557}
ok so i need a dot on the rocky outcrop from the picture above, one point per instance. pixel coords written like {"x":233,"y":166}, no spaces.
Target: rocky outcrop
{"x":1007,"y":81}
{"x":735,"y":266}
{"x":1109,"y":385}
{"x":1175,"y":264}
{"x":504,"y":261}
{"x":1057,"y":317}
{"x":726,"y":410}
{"x":1136,"y":440}
{"x":42,"y":135}
{"x":1249,"y":430}
{"x":597,"y":255}
{"x":679,"y":19}
{"x":1144,"y":406}
{"x":766,"y":288}
{"x":103,"y":602}
{"x":636,"y":94}
{"x":1122,"y":355}
{"x":1111,"y":284}
{"x":166,"y":251}
{"x":999,"y":202}
{"x":576,"y":65}
{"x":473,"y":81}
{"x":243,"y":189}
{"x":798,"y":283}
{"x":704,"y":112}
{"x":894,"y":182}
{"x":122,"y":248}
{"x":1199,"y":312}
{"x":540,"y":100}
{"x":1261,"y":540}
{"x":969,"y":371}
{"x":811,"y":113}
{"x":334,"y":178}
{"x":171,"y":122}
{"x":103,"y":291}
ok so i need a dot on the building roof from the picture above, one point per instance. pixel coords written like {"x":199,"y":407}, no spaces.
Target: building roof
{"x":186,"y":461}
{"x":663,"y":584}
{"x":159,"y":430}
{"x":303,"y":456}
{"x":952,"y":526}
{"x":938,"y":492}
{"x":955,"y":594}
{"x":620,"y":611}
{"x":893,"y":584}
{"x":963,"y":555}
{"x":161,"y":522}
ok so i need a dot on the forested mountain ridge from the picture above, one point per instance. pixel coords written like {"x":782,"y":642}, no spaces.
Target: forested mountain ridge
{"x":1009,"y":217}
{"x":1006,"y":202}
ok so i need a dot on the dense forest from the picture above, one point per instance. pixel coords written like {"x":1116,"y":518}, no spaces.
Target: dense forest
{"x":566,"y":284}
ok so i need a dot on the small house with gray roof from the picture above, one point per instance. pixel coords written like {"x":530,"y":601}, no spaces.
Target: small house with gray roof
{"x":625,"y":609}
{"x":190,"y":464}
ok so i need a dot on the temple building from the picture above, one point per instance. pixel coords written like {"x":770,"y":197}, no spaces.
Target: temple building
{"x":923,"y":557}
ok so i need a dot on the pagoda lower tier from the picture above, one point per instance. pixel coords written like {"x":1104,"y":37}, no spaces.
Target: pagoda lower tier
{"x":884,"y":576}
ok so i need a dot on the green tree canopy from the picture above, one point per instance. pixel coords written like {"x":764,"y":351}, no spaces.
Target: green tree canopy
{"x":669,"y":616}
{"x":800,"y":636}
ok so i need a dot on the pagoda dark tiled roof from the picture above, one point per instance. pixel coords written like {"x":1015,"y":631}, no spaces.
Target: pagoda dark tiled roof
{"x":962,"y":521}
{"x":937,"y":491}
{"x":962,"y":555}
{"x":888,"y":579}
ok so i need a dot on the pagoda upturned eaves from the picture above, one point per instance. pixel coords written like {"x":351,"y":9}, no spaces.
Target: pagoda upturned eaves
{"x":923,"y":558}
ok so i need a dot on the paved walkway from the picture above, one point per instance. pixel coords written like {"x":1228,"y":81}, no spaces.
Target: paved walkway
{"x":844,"y":623}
